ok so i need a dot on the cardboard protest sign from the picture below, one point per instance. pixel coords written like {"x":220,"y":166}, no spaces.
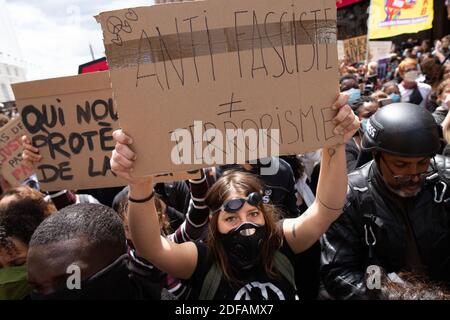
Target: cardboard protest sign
{"x":383,"y":68}
{"x":12,"y":168}
{"x":356,"y":49}
{"x":71,"y":121}
{"x":209,"y":66}
{"x":380,"y":49}
{"x":169,"y":177}
{"x":340,"y":49}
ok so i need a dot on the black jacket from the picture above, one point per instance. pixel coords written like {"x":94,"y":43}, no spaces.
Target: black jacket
{"x":355,"y":157}
{"x":345,"y":254}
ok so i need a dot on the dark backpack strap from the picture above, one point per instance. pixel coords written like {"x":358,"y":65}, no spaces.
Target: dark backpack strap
{"x":211,"y":283}
{"x":284,"y":266}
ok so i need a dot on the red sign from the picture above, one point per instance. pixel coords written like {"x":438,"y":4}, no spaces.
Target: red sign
{"x":93,"y":66}
{"x":344,"y":3}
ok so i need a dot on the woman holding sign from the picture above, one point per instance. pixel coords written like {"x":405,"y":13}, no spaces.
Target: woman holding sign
{"x":249,"y":255}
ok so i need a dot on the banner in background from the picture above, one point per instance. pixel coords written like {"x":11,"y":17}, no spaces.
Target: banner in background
{"x":344,"y":3}
{"x":389,"y":18}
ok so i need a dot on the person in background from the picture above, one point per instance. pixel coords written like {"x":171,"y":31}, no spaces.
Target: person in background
{"x":397,"y":212}
{"x":446,"y":74}
{"x":372,"y":76}
{"x":442,"y":49}
{"x":447,"y":3}
{"x":443,"y":99}
{"x":433,"y":71}
{"x":349,"y":85}
{"x":173,"y":198}
{"x":88,"y":240}
{"x":381,"y":98}
{"x":442,"y":116}
{"x":411,"y":90}
{"x":392,"y":90}
{"x":355,"y":156}
{"x":22,"y":209}
{"x":426,"y":46}
{"x":377,"y":95}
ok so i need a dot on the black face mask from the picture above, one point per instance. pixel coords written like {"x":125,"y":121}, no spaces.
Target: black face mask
{"x":243,"y":245}
{"x":112,"y":282}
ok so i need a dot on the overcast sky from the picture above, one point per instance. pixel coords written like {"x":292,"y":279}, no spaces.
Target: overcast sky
{"x":54,"y":35}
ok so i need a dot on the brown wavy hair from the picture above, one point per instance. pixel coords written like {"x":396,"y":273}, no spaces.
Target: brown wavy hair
{"x":164,"y":223}
{"x":243,"y":183}
{"x":413,"y":287}
{"x":20,"y":216}
{"x":24,"y":194}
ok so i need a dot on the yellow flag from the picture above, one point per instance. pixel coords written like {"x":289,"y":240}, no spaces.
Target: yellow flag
{"x":393,"y":17}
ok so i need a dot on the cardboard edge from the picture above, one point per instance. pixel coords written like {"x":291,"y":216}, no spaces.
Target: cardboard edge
{"x":62,"y":86}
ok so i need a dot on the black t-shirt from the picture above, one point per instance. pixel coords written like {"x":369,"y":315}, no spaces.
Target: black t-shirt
{"x":256,"y":285}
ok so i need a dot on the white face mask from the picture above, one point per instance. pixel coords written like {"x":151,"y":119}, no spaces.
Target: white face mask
{"x":411,"y":76}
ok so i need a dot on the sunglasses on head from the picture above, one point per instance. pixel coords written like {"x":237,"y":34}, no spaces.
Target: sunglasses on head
{"x":234,"y":205}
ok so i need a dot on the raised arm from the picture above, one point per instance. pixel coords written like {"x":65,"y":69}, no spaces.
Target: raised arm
{"x":178,"y":260}
{"x":304,"y":231}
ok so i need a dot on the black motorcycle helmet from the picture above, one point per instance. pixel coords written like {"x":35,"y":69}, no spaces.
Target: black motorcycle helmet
{"x":402,"y":129}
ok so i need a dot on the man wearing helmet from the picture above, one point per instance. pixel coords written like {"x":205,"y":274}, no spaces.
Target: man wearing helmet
{"x":397,"y":214}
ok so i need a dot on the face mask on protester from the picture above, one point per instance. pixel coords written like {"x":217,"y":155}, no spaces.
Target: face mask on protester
{"x":112,"y":282}
{"x":395,"y":97}
{"x":243,"y":245}
{"x":14,"y":283}
{"x":364,"y":124}
{"x":411,"y":76}
{"x":353,"y":95}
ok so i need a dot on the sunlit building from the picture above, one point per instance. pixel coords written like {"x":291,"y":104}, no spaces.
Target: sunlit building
{"x":12,"y":64}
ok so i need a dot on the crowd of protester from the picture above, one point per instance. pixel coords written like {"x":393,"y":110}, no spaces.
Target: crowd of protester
{"x":310,"y":231}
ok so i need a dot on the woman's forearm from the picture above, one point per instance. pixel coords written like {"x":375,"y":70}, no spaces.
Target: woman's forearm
{"x":143,"y":221}
{"x":332,"y":187}
{"x":302,"y":232}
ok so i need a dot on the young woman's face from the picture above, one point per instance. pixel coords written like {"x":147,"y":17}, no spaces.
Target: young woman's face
{"x":228,"y":221}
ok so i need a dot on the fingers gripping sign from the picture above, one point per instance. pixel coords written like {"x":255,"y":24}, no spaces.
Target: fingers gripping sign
{"x":123,"y":158}
{"x":346,"y":122}
{"x":30,"y":154}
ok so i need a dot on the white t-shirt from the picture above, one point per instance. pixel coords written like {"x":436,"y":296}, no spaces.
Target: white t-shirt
{"x":424,"y":89}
